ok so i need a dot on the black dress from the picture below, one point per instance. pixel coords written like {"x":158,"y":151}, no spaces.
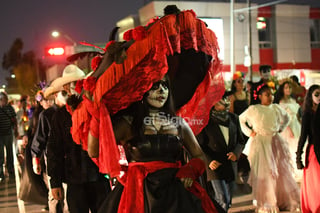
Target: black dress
{"x":239,"y":105}
{"x":163,"y":192}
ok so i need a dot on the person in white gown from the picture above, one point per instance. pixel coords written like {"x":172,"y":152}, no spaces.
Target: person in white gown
{"x":273,"y":185}
{"x":290,"y":134}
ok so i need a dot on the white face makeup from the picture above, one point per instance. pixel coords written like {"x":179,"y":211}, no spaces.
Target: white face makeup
{"x":266,"y":74}
{"x":62,"y":97}
{"x":158,"y":94}
{"x":316,"y":96}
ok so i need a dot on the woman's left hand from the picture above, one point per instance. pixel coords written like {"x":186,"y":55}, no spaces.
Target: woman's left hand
{"x":187,"y":182}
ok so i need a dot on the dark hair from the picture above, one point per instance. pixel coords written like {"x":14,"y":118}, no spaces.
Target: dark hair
{"x":295,"y":79}
{"x":233,"y":87}
{"x":260,"y":89}
{"x":308,"y":102}
{"x":3,"y":95}
{"x":35,"y":118}
{"x":280,"y":93}
{"x":264,"y":67}
{"x":171,"y":9}
{"x":263,"y":88}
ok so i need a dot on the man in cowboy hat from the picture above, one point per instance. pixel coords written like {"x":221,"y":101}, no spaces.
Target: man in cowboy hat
{"x":83,"y":59}
{"x":67,"y":161}
{"x":39,"y":146}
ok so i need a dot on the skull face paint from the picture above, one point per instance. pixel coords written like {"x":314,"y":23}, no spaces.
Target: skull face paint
{"x":266,"y":74}
{"x":62,"y":97}
{"x":158,"y":94}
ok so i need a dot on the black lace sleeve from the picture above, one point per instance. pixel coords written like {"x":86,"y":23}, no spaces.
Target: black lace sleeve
{"x":305,"y":132}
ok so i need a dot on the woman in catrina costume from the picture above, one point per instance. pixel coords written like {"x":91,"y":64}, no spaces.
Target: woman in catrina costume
{"x":150,"y":95}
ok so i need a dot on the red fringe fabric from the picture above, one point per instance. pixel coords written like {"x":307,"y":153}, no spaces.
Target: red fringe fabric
{"x":164,"y":37}
{"x":80,"y":119}
{"x":109,"y":155}
{"x":83,"y":119}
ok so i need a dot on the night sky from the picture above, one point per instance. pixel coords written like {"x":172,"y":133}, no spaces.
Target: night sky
{"x":83,"y":20}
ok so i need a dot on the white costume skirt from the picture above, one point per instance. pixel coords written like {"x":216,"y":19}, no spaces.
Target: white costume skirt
{"x":273,"y":185}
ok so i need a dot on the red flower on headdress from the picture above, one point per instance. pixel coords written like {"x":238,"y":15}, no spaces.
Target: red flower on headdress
{"x":193,"y":13}
{"x":139,"y":33}
{"x":151,"y":21}
{"x":95,"y":62}
{"x":79,"y":86}
{"x":89,"y":84}
{"x":128,"y":35}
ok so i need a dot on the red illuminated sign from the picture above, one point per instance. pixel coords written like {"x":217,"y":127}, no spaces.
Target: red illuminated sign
{"x":55,"y":51}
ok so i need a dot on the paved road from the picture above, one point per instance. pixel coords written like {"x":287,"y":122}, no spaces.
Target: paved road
{"x":9,"y":203}
{"x":242,"y":202}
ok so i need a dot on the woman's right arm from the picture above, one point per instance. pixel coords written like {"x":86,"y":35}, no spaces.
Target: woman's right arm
{"x":122,"y":132}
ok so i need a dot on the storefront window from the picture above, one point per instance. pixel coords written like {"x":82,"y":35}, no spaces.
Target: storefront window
{"x":264,"y":32}
{"x":216,"y":25}
{"x":315,"y":33}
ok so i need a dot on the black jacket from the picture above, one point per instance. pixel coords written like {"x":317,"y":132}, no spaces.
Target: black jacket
{"x":67,"y":161}
{"x":215,"y":147}
{"x":309,"y":130}
{"x":40,"y":139}
{"x":317,"y":135}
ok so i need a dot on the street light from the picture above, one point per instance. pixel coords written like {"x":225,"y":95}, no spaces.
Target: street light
{"x":56,"y":34}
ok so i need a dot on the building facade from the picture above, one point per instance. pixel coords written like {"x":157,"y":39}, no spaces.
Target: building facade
{"x":285,"y":36}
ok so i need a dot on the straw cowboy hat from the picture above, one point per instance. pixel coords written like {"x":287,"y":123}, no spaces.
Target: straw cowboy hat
{"x":70,"y":73}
